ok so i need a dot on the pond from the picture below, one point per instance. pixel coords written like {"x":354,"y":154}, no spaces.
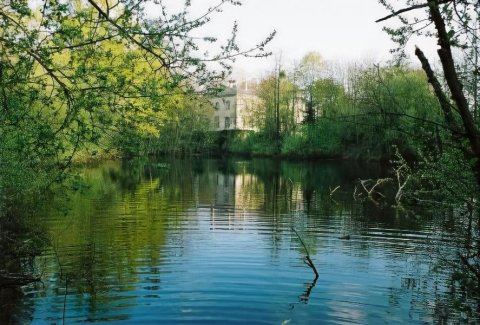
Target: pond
{"x":220,"y":241}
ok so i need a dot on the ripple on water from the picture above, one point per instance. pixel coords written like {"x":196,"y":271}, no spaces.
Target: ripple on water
{"x":218,"y":247}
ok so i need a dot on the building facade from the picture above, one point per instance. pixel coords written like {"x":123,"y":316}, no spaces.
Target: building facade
{"x":225,"y":110}
{"x":233,"y":109}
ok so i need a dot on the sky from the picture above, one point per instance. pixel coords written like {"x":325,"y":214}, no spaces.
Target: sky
{"x":340,"y":30}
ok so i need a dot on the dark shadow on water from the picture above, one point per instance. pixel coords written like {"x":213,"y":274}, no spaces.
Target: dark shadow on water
{"x":21,"y":241}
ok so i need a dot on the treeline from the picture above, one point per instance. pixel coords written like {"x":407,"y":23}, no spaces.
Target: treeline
{"x":314,"y":110}
{"x":361,"y":111}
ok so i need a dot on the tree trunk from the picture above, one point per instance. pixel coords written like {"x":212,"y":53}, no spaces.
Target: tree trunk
{"x":455,"y":86}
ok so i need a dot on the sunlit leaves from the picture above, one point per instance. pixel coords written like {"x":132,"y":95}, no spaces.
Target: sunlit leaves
{"x":75,"y":73}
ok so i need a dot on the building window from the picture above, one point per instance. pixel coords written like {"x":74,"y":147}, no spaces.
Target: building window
{"x":227,"y":104}
{"x":217,"y":105}
{"x":216,"y":122}
{"x":227,"y":122}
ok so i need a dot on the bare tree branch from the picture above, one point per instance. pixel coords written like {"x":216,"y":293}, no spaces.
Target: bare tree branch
{"x":401,"y":11}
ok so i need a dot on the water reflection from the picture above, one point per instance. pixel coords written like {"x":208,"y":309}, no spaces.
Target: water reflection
{"x":211,"y":241}
{"x":20,"y":242}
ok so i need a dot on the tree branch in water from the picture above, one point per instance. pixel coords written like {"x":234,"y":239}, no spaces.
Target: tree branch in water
{"x":306,"y":295}
{"x":308,"y":260}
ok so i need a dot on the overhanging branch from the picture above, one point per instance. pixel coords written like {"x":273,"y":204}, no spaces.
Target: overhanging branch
{"x":401,"y":11}
{"x":128,"y":35}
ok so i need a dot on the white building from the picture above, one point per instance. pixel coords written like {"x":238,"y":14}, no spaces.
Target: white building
{"x":233,"y":109}
{"x":225,"y":105}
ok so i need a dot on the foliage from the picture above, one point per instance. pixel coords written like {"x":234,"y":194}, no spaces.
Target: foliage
{"x":266,"y":111}
{"x":451,"y":172}
{"x":85,"y":76}
{"x":322,"y":139}
{"x":376,"y":110}
{"x":393,"y":107}
{"x":182,"y":126}
{"x":310,"y":72}
{"x":251,"y":143}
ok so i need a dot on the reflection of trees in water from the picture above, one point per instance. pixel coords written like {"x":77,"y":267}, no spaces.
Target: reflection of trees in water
{"x":21,"y":240}
{"x":458,"y":247}
{"x":14,"y":308}
{"x":437,"y":280}
{"x":130,"y":212}
{"x":297,"y":194}
{"x":114,"y":228}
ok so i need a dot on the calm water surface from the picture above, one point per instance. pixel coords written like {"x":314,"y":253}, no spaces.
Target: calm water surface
{"x":212,"y":242}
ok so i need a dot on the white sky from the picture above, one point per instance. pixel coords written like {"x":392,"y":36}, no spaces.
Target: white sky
{"x":340,"y":30}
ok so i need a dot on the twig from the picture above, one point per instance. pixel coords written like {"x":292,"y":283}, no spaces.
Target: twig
{"x":355,"y":193}
{"x":308,"y":290}
{"x":308,"y":260}
{"x":334,"y":190}
{"x":370,"y":192}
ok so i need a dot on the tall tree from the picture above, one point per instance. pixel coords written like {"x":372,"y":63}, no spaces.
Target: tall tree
{"x":310,"y":71}
{"x":454,"y":24}
{"x":274,"y":113}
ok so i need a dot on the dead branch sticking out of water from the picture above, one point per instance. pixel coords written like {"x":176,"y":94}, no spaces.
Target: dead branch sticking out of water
{"x":309,"y":286}
{"x":333,"y":191}
{"x":308,"y":290}
{"x":402,"y":176}
{"x":307,"y":260}
{"x":370,"y":186}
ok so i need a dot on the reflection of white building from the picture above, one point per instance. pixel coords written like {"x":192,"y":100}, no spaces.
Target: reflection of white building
{"x":225,"y":189}
{"x":233,"y":199}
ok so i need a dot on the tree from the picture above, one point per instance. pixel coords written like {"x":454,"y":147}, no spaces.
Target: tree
{"x":455,"y":26}
{"x":329,"y":97}
{"x":276,"y":109}
{"x":455,"y":173}
{"x":72,"y":71}
{"x":393,"y":107}
{"x":310,"y":70}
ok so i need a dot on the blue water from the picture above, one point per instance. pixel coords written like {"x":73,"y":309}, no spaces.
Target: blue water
{"x":211,"y":242}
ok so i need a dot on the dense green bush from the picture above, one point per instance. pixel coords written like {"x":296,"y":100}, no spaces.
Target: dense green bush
{"x":322,"y":139}
{"x":251,"y":143}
